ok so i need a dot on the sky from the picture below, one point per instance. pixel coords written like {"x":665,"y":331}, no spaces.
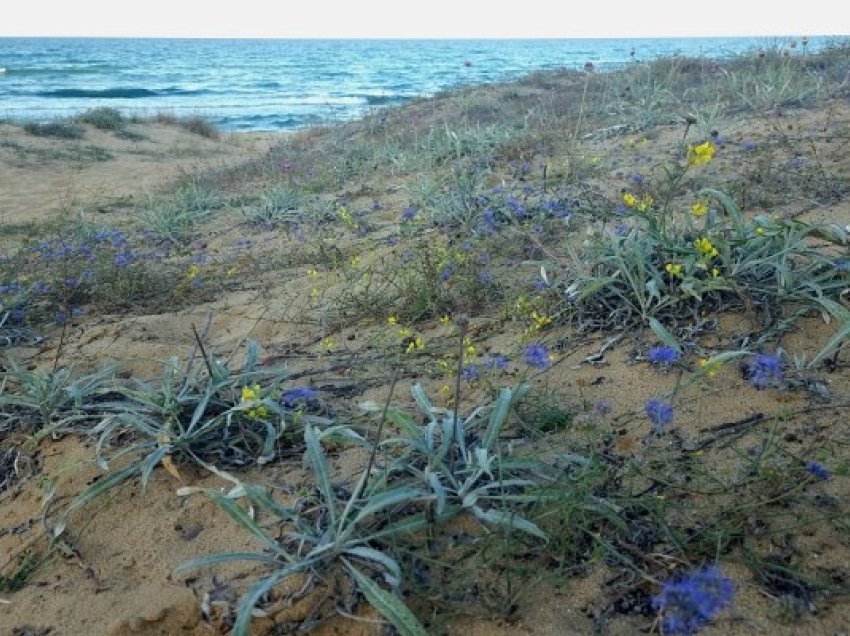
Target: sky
{"x":428,"y":18}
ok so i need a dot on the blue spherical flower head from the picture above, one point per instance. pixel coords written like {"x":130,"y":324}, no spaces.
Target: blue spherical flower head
{"x":690,"y":603}
{"x":659,"y":412}
{"x":817,"y":470}
{"x":537,"y":356}
{"x":662,"y":355}
{"x":470,"y":373}
{"x":298,"y":397}
{"x":765,"y":370}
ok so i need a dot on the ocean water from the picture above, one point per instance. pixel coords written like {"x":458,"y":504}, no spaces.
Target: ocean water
{"x":260,"y":85}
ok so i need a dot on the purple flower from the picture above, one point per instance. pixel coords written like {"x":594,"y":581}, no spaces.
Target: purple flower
{"x":662,"y":355}
{"x":123,"y":259}
{"x":446,"y":274}
{"x":818,"y":470}
{"x":408,"y":213}
{"x":537,"y":356}
{"x":499,"y":362}
{"x":489,"y":221}
{"x":299,"y":396}
{"x":764,"y":371}
{"x":470,"y":373}
{"x":485,"y":277}
{"x":659,"y":412}
{"x":690,"y":603}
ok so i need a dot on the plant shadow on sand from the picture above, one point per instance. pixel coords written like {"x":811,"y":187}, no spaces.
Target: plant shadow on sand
{"x":563,"y":355}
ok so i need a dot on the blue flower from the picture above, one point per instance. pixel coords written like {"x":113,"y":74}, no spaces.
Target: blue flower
{"x":662,"y":355}
{"x":764,"y":370}
{"x":659,"y":412}
{"x":817,"y":469}
{"x":123,"y":259}
{"x":499,"y":362}
{"x":537,"y":356}
{"x":470,"y":373}
{"x":408,"y":213}
{"x":298,"y":397}
{"x":690,"y":603}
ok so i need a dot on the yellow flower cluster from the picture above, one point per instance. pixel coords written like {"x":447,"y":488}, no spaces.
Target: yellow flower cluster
{"x":633,"y":203}
{"x":251,"y":394}
{"x":699,"y":208}
{"x":674,"y":269}
{"x":415,"y":344}
{"x":706,"y":248}
{"x":193,"y":272}
{"x":703,"y":153}
{"x":347,"y":218}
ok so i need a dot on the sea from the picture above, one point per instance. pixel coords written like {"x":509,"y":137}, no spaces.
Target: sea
{"x":275,"y":85}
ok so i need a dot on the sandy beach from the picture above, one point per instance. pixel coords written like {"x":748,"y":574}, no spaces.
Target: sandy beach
{"x":361,"y":258}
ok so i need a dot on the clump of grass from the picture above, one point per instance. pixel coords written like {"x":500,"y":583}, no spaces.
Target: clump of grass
{"x":173,"y":217}
{"x":200,"y":126}
{"x":279,"y":205}
{"x":57,"y":130}
{"x":103,"y":118}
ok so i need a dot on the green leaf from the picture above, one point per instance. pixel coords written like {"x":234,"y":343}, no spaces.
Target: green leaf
{"x":224,"y":557}
{"x":257,"y":591}
{"x":421,"y":399}
{"x":323,"y":479}
{"x":501,"y":409}
{"x":831,"y":345}
{"x":663,"y":335}
{"x":375,"y":556}
{"x":389,"y":606}
{"x":102,"y":485}
{"x":241,"y":516}
{"x":730,"y":206}
{"x":386,"y":500}
{"x":508,"y":520}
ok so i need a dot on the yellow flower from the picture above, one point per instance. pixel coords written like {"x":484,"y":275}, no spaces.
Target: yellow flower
{"x":355,"y":261}
{"x":392,"y":319}
{"x":445,"y":320}
{"x":706,"y":248}
{"x":346,"y":217}
{"x":645,"y":203}
{"x":328,"y":342}
{"x":674,"y":269}
{"x":313,"y":272}
{"x":404,"y":332}
{"x":469,"y":348}
{"x":540,"y":320}
{"x":414,"y":344}
{"x":699,"y":208}
{"x":231,"y":271}
{"x":250,"y":392}
{"x":703,"y":153}
{"x":629,"y":200}
{"x":759,"y":231}
{"x":715,"y":272}
{"x":710,"y":367}
{"x":193,"y":272}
